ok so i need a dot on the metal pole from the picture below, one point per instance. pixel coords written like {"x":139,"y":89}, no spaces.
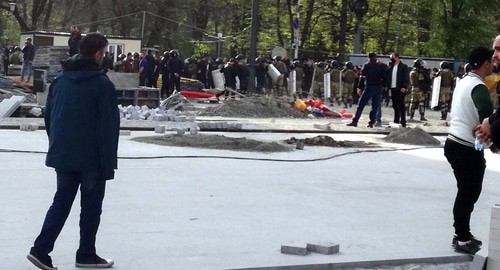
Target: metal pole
{"x":143,"y":22}
{"x":253,"y":45}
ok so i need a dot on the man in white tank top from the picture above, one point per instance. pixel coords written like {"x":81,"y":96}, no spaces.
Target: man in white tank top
{"x":471,"y":104}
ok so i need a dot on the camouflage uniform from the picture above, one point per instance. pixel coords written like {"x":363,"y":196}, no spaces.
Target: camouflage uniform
{"x":318,"y":82}
{"x":281,"y":67}
{"x":335,"y":84}
{"x":445,"y":92}
{"x":418,"y":93}
{"x":348,"y":80}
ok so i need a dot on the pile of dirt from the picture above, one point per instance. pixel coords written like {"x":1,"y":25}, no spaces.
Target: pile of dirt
{"x":257,"y":107}
{"x":416,"y":136}
{"x":215,"y":142}
{"x":322,"y":140}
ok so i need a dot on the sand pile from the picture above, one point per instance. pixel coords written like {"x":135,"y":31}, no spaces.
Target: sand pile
{"x":416,"y":136}
{"x":257,"y":107}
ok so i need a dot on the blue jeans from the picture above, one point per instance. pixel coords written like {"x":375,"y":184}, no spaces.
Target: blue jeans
{"x":373,"y":93}
{"x":27,"y":67}
{"x":92,"y":188}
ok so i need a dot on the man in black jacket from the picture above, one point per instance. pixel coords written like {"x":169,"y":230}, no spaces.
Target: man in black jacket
{"x":175,"y":66}
{"x":397,"y":82}
{"x":82,"y":123}
{"x":74,"y":40}
{"x":371,"y":80}
{"x":28,"y":56}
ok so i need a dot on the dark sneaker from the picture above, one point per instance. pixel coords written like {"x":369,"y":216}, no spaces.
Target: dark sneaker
{"x":43,"y":262}
{"x":422,"y":118}
{"x":352,"y":124}
{"x":370,"y":125}
{"x":92,"y":261}
{"x":468,"y":247}
{"x":474,"y":240}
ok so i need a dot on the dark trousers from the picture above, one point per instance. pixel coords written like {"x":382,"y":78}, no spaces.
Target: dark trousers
{"x":398,"y":104}
{"x":165,"y":85}
{"x":175,"y":83}
{"x":373,"y":93}
{"x":142,"y":79}
{"x":92,"y":188}
{"x":468,"y":166}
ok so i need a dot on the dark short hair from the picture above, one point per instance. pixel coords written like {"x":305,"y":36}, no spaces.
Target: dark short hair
{"x":92,"y":43}
{"x":396,"y":54}
{"x":372,"y":55}
{"x":479,"y":55}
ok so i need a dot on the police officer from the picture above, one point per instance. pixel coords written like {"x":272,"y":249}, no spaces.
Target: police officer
{"x":281,"y":67}
{"x":420,"y":81}
{"x":446,"y":86}
{"x":348,"y":80}
{"x":165,"y":74}
{"x":372,"y":79}
{"x":175,"y":66}
{"x":335,"y":81}
{"x":318,"y":79}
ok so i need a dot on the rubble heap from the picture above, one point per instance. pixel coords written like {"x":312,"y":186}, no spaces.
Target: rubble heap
{"x":215,"y":142}
{"x":416,"y":136}
{"x":257,"y":107}
{"x":323,"y":140}
{"x":7,"y":90}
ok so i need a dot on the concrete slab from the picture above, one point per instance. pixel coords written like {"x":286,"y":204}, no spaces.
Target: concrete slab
{"x":10,"y":105}
{"x":234,"y":214}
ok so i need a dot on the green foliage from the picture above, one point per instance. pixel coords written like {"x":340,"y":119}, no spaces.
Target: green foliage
{"x":444,"y":28}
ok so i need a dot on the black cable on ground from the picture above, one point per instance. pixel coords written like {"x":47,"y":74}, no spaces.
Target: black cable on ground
{"x":246,"y":158}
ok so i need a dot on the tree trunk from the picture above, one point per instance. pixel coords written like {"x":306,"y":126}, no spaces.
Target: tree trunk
{"x":307,"y":23}
{"x":343,"y":26}
{"x":383,"y":44}
{"x":278,"y":24}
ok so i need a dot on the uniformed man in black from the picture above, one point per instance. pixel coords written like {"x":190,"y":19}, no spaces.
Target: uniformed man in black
{"x":371,"y":80}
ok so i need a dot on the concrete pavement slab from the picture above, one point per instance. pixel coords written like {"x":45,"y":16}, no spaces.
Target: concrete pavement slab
{"x":208,"y":213}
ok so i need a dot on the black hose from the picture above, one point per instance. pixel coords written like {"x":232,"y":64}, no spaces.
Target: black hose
{"x":246,"y":158}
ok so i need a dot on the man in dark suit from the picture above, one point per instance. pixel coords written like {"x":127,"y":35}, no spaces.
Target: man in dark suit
{"x":397,"y":82}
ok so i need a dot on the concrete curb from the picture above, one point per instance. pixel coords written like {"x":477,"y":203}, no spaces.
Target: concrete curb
{"x":368,"y":264}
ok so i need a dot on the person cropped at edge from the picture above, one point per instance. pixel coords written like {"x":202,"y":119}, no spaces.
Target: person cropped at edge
{"x":471,"y":104}
{"x":371,"y":80}
{"x":489,"y":131}
{"x":82,"y":123}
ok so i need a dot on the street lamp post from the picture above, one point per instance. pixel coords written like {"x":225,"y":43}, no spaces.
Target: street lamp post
{"x":12,"y":6}
{"x":253,"y":45}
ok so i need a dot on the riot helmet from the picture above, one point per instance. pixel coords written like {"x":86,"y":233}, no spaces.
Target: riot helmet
{"x":349,"y":65}
{"x":444,"y":65}
{"x":334,"y":64}
{"x":418,"y":63}
{"x":174,"y":54}
{"x":277,"y":58}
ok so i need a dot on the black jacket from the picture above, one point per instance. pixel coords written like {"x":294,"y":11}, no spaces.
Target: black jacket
{"x":372,"y":74}
{"x":82,"y":119}
{"x":402,"y":79}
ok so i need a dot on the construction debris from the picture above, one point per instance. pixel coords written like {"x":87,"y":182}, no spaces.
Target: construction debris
{"x":215,"y":142}
{"x":416,"y":136}
{"x":322,"y":140}
{"x":10,"y":105}
{"x":257,"y":107}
